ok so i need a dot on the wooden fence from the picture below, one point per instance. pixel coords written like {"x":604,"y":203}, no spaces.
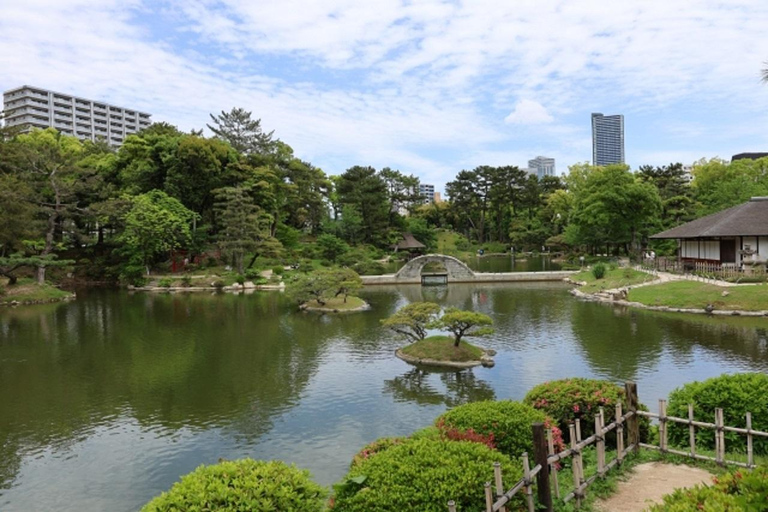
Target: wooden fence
{"x":703,"y":270}
{"x":545,"y":473}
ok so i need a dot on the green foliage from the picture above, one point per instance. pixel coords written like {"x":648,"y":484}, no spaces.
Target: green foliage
{"x":321,"y":285}
{"x":241,"y":224}
{"x":246,"y":484}
{"x":506,"y":423}
{"x":369,"y":268}
{"x":278,"y":270}
{"x":566,"y":400}
{"x":362,"y":189}
{"x":423,"y":232}
{"x":219,"y":284}
{"x":186,"y":281}
{"x":331,"y":246}
{"x":598,"y":270}
{"x":10,"y":264}
{"x":737,"y":491}
{"x":423,"y":474}
{"x":736,"y":394}
{"x":252,"y":273}
{"x":241,"y":132}
{"x":240,"y":279}
{"x":165,"y":282}
{"x":375,"y":447}
{"x":465,"y":323}
{"x":413,"y":320}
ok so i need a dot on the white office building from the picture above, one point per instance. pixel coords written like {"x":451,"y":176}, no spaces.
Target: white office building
{"x":541,"y":166}
{"x":427,"y":192}
{"x":31,"y":107}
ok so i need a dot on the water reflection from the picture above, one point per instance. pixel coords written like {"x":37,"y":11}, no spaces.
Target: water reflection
{"x":419,"y":386}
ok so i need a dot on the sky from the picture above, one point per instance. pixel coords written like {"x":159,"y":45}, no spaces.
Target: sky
{"x":427,"y":87}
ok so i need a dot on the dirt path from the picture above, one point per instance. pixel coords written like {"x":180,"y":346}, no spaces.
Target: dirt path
{"x":648,"y":483}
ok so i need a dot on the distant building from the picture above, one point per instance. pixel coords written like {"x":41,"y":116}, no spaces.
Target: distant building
{"x":607,"y":139}
{"x":438,"y":198}
{"x":427,"y":192}
{"x":748,"y":156}
{"x":688,"y":173}
{"x":31,"y":107}
{"x":541,"y":166}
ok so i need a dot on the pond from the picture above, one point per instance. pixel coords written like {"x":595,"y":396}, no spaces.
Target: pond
{"x":107,"y":400}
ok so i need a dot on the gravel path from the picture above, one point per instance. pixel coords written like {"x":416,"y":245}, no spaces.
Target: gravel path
{"x":648,"y":483}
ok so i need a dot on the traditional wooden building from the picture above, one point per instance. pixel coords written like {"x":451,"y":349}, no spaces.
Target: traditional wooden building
{"x":411,"y":245}
{"x":730,"y":238}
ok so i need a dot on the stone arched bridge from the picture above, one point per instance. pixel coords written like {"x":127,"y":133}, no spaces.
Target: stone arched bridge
{"x":456,"y":269}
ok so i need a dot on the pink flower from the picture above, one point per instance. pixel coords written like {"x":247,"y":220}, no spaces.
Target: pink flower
{"x":576,"y":408}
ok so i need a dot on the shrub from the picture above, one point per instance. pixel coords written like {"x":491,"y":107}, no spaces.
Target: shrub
{"x":165,"y":282}
{"x":375,"y":447}
{"x":504,"y":425}
{"x":240,"y":279}
{"x":566,"y":400}
{"x":598,"y":270}
{"x":219,"y":284}
{"x":252,"y":273}
{"x":186,"y":281}
{"x":737,"y":491}
{"x":423,"y":474}
{"x":242,"y":485}
{"x":278,"y":271}
{"x":736,"y":395}
{"x":369,"y":268}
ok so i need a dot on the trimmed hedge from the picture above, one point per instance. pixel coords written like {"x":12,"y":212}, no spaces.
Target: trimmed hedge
{"x":423,"y":475}
{"x":566,"y":400}
{"x":504,"y":425}
{"x":736,"y":395}
{"x":374,"y":448}
{"x":245,"y":484}
{"x":738,"y":491}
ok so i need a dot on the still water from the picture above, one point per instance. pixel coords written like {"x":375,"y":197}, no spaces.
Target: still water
{"x":106,"y":401}
{"x":499,"y":263}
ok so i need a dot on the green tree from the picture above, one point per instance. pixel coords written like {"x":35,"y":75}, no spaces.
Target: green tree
{"x":10,"y":264}
{"x":18,"y":211}
{"x":465,"y":323}
{"x":363,"y":189}
{"x":423,"y":232}
{"x":413,"y":321}
{"x":156,"y":224}
{"x":331,"y":246}
{"x":318,"y":285}
{"x":241,"y":224}
{"x":402,"y":191}
{"x":348,"y":282}
{"x":718,"y":185}
{"x":241,"y":132}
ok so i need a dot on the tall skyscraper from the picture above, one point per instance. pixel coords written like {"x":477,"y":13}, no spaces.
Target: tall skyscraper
{"x":31,"y":107}
{"x":541,"y":166}
{"x":607,"y":139}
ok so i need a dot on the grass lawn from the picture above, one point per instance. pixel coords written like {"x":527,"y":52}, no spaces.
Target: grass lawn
{"x":693,"y":295}
{"x":613,"y":279}
{"x":27,"y":290}
{"x":338,"y":303}
{"x":441,"y":348}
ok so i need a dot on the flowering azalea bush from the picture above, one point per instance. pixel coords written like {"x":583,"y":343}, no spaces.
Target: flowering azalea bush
{"x":375,"y":447}
{"x":567,"y":400}
{"x":504,"y":425}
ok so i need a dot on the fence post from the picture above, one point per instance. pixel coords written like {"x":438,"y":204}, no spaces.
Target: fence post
{"x":619,"y":434}
{"x":750,"y":461}
{"x":488,"y":497}
{"x":691,"y":431}
{"x":575,"y":465}
{"x":451,"y":506}
{"x":663,"y":425}
{"x":600,"y":445}
{"x":551,"y":446}
{"x":633,"y":422}
{"x":527,"y":476}
{"x":540,"y":456}
{"x":499,"y":483}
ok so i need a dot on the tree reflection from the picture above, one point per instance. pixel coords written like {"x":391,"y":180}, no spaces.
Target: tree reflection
{"x":419,"y":385}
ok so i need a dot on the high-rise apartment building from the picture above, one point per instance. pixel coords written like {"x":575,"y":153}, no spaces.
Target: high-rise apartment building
{"x":31,"y":107}
{"x":427,"y":192}
{"x":541,"y":166}
{"x":607,"y":139}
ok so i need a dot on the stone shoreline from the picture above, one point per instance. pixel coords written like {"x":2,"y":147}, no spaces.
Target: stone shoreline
{"x":364,"y":307}
{"x":247,"y":286}
{"x":32,"y":302}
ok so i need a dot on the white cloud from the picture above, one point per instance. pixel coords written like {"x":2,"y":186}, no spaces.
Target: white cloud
{"x":415,"y":85}
{"x":528,"y":112}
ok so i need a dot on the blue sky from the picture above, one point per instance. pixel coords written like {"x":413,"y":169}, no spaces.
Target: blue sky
{"x":429,"y":87}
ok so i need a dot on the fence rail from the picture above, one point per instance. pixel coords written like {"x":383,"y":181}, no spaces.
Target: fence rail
{"x":545,"y":473}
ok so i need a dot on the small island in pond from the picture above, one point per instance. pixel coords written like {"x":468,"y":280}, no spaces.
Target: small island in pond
{"x":327,"y":290}
{"x":413,"y":322}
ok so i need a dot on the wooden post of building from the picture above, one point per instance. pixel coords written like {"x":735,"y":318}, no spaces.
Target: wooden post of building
{"x":540,"y":457}
{"x":633,"y":422}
